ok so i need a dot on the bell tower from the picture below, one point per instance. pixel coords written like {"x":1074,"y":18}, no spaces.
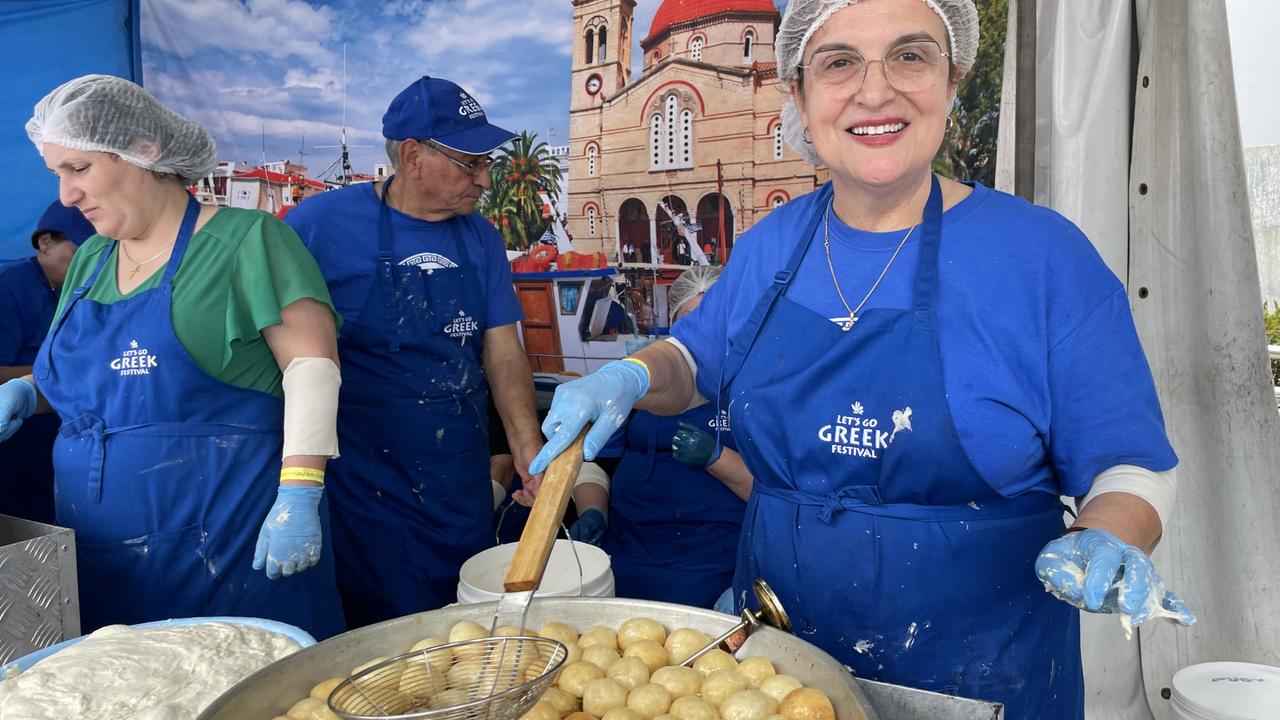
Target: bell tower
{"x":601,"y":50}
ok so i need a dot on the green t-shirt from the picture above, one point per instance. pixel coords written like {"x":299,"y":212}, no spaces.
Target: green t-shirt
{"x":240,"y":269}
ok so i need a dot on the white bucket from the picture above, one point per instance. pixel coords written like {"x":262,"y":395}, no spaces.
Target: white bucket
{"x":1226,"y":691}
{"x":480,"y":579}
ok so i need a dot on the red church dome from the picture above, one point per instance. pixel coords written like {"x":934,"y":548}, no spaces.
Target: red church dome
{"x":673,"y":12}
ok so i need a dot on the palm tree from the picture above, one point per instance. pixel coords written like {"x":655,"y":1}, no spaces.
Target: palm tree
{"x":524,"y":170}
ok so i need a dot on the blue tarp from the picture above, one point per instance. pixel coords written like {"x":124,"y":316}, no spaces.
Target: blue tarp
{"x":44,"y":43}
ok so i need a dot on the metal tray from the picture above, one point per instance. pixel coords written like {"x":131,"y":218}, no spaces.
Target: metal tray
{"x":39,"y":600}
{"x":274,"y":689}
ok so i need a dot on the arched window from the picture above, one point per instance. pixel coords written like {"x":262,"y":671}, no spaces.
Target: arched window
{"x":591,"y":160}
{"x":777,"y":141}
{"x":748,"y":43}
{"x":591,"y":45}
{"x":686,"y":138}
{"x":591,"y":220}
{"x":655,"y":142}
{"x":670,"y":131}
{"x":778,"y":199}
{"x":602,"y":34}
{"x":695,"y":49}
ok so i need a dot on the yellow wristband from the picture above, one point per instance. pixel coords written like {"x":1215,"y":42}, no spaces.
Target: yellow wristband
{"x":302,"y":473}
{"x":639,"y":362}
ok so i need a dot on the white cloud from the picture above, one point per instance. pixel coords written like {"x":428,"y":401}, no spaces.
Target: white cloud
{"x":491,"y":26}
{"x":275,"y":28}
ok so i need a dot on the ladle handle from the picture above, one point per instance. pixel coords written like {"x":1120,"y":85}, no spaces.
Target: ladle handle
{"x":539,"y":536}
{"x":736,"y":629}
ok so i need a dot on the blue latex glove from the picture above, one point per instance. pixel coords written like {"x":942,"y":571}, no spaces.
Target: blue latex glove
{"x":17,"y":403}
{"x":605,"y":398}
{"x":1097,"y":572}
{"x":694,"y":446}
{"x":590,"y":527}
{"x":290,"y":539}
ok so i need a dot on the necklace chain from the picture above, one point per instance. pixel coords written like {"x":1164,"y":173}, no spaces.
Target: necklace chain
{"x":847,"y":325}
{"x":138,"y":265}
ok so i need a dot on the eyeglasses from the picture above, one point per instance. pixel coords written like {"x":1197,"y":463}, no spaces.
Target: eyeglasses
{"x":908,"y":67}
{"x":471,"y":168}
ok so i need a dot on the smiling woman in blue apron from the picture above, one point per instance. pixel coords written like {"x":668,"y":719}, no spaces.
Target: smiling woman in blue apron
{"x":915,"y":370}
{"x":194,"y":350}
{"x":671,"y":511}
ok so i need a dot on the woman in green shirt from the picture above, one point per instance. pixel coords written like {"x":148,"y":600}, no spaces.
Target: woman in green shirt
{"x":196,"y":351}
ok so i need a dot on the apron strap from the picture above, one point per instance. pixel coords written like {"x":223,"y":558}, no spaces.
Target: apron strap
{"x":386,"y":278}
{"x":867,"y":499}
{"x":92,"y":425}
{"x":926,"y":282}
{"x":182,"y":241}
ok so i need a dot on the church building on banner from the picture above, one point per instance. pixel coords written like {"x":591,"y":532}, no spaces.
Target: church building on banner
{"x":697,"y":135}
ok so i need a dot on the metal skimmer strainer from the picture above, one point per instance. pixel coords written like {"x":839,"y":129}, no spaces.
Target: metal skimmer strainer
{"x":493,"y":678}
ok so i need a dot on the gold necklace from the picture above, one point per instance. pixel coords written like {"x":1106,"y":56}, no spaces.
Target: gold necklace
{"x":847,"y":325}
{"x":138,"y":265}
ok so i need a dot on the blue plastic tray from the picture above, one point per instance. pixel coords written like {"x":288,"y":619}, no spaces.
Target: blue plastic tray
{"x":296,"y":634}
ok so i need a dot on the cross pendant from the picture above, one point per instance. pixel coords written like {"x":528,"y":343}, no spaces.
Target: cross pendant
{"x":847,"y":325}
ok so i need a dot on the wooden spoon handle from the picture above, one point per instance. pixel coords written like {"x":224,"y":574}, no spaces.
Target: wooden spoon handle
{"x":539,"y":536}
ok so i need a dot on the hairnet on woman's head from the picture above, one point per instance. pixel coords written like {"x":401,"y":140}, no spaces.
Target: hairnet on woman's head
{"x":108,"y":114}
{"x":802,"y":19}
{"x":692,"y":282}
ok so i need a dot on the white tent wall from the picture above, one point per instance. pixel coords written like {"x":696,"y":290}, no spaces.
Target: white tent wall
{"x":1170,"y":216}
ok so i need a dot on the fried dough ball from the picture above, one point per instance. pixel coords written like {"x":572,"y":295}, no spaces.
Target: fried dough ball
{"x":449,"y":698}
{"x":467,"y":630}
{"x":630,"y":672}
{"x":721,"y":684}
{"x":693,"y":708}
{"x":599,"y":635}
{"x":684,"y":642}
{"x":562,"y":632}
{"x":679,"y":681}
{"x":622,"y":713}
{"x":440,"y":660}
{"x":541,"y":710}
{"x":640,"y":629}
{"x":602,"y":656}
{"x":714,"y":660}
{"x":563,"y":702}
{"x":311,"y":709}
{"x":748,"y":705}
{"x":602,"y":695}
{"x":756,"y":670}
{"x":807,"y":704}
{"x":574,"y":678}
{"x":365,"y":666}
{"x":778,"y":686}
{"x":649,"y":701}
{"x":423,"y":678}
{"x":582,"y":716}
{"x":653,"y":654}
{"x":325,"y":688}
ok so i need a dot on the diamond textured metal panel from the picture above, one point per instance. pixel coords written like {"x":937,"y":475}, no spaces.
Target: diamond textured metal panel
{"x":38,"y":600}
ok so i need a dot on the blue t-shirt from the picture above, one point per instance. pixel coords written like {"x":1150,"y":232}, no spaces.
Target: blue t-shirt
{"x":1045,"y":378}
{"x":340,"y":228}
{"x":27,"y":303}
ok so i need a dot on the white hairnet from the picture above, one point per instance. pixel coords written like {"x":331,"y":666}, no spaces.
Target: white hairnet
{"x":697,"y":279}
{"x":110,"y":114}
{"x":801,"y":20}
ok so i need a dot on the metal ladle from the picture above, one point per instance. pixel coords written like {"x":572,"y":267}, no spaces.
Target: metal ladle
{"x":771,"y":613}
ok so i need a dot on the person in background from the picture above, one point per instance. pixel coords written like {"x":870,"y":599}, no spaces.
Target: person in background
{"x":425,"y":290}
{"x":669,"y":507}
{"x":28,"y":296}
{"x":193,"y":368}
{"x":916,"y":370}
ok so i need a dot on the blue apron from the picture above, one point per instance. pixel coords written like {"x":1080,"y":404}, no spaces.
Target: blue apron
{"x":411,"y":493}
{"x":882,"y":541}
{"x":164,"y":472}
{"x":26,"y":458}
{"x":673,"y":529}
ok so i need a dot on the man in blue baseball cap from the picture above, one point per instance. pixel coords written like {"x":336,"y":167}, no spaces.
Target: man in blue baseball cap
{"x":28,"y":297}
{"x":429,"y":331}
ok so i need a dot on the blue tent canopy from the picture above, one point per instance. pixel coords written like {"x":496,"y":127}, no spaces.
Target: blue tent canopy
{"x":44,"y":43}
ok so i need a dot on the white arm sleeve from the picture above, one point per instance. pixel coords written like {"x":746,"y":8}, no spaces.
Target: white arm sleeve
{"x":698,"y":399}
{"x":592,"y":473}
{"x":311,"y":407}
{"x":1158,"y":489}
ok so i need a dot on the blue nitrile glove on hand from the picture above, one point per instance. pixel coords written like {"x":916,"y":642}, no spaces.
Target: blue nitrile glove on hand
{"x":17,"y":403}
{"x":605,"y":398}
{"x":694,"y":446}
{"x":1097,"y":572}
{"x":590,"y":527}
{"x":290,"y":539}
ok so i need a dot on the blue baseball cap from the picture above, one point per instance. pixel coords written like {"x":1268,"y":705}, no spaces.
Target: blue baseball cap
{"x":441,"y":111}
{"x":66,"y":220}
